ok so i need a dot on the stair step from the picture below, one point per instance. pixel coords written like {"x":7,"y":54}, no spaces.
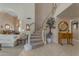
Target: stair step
{"x":36,"y":40}
{"x":36,"y":34}
{"x":37,"y":43}
{"x":35,"y":37}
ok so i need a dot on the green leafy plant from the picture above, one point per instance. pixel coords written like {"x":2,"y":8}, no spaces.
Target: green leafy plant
{"x":50,"y":23}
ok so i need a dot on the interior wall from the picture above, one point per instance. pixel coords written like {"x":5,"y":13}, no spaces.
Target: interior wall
{"x":56,"y":30}
{"x":23,"y":11}
{"x":7,"y":19}
{"x":61,"y":7}
{"x":42,"y":10}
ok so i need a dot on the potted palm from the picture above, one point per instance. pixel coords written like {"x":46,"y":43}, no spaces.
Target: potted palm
{"x":50,"y":23}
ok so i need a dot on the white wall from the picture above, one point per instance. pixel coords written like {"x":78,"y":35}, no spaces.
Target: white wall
{"x":23,"y":10}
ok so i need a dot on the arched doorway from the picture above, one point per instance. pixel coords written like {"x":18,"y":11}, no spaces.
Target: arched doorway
{"x":9,"y":21}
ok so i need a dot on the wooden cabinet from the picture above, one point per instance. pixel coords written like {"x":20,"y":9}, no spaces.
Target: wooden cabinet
{"x":65,"y":36}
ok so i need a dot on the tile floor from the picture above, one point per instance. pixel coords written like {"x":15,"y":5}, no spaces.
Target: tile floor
{"x":54,"y":50}
{"x":15,"y":51}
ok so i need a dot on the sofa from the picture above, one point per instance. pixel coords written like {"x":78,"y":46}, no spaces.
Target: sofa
{"x":7,"y":40}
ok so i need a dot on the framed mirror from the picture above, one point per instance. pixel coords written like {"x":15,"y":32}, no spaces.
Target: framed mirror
{"x":63,"y":26}
{"x":7,"y":26}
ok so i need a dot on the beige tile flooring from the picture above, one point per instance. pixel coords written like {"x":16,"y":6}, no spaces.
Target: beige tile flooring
{"x":15,"y":51}
{"x":54,"y":50}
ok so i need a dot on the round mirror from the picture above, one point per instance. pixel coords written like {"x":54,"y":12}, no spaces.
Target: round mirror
{"x":63,"y":26}
{"x":7,"y":26}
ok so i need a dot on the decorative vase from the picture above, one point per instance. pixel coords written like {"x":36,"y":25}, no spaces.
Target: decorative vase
{"x":49,"y":38}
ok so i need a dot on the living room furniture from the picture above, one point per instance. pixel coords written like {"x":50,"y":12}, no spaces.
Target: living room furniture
{"x":7,"y":40}
{"x":63,"y":26}
{"x":22,"y":38}
{"x":21,"y":41}
{"x":62,"y":36}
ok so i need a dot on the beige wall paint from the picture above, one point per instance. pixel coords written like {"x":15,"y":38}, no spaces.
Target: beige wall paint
{"x":23,"y":11}
{"x":61,"y":7}
{"x":42,"y":10}
{"x":7,"y":19}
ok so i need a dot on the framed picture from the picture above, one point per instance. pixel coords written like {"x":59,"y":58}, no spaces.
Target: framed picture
{"x":63,"y":26}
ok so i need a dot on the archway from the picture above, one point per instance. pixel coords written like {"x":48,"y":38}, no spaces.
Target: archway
{"x":10,"y":18}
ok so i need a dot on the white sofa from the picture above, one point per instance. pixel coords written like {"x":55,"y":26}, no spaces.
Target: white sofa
{"x":8,"y":40}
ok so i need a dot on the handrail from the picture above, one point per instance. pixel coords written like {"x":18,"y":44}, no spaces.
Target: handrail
{"x":43,"y":24}
{"x":46,"y":18}
{"x":31,"y":25}
{"x":52,"y":11}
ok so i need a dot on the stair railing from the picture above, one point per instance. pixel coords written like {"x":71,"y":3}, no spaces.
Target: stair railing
{"x":44,"y":28}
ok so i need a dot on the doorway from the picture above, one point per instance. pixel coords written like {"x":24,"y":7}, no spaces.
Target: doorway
{"x":75,"y":30}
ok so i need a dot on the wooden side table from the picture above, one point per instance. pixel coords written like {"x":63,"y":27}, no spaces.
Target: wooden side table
{"x":0,"y":46}
{"x":69,"y":38}
{"x":65,"y":36}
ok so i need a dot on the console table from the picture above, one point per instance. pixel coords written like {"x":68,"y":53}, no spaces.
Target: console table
{"x":65,"y":36}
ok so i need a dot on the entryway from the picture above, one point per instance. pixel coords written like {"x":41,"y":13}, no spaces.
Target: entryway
{"x":75,"y":30}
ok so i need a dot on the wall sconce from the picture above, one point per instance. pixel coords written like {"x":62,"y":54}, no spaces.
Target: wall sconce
{"x":7,"y":26}
{"x":27,"y":27}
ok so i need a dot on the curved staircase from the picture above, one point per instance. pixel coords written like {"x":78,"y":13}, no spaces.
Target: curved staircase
{"x":36,"y":40}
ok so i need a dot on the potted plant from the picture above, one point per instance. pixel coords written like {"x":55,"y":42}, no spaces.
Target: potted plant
{"x":50,"y":23}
